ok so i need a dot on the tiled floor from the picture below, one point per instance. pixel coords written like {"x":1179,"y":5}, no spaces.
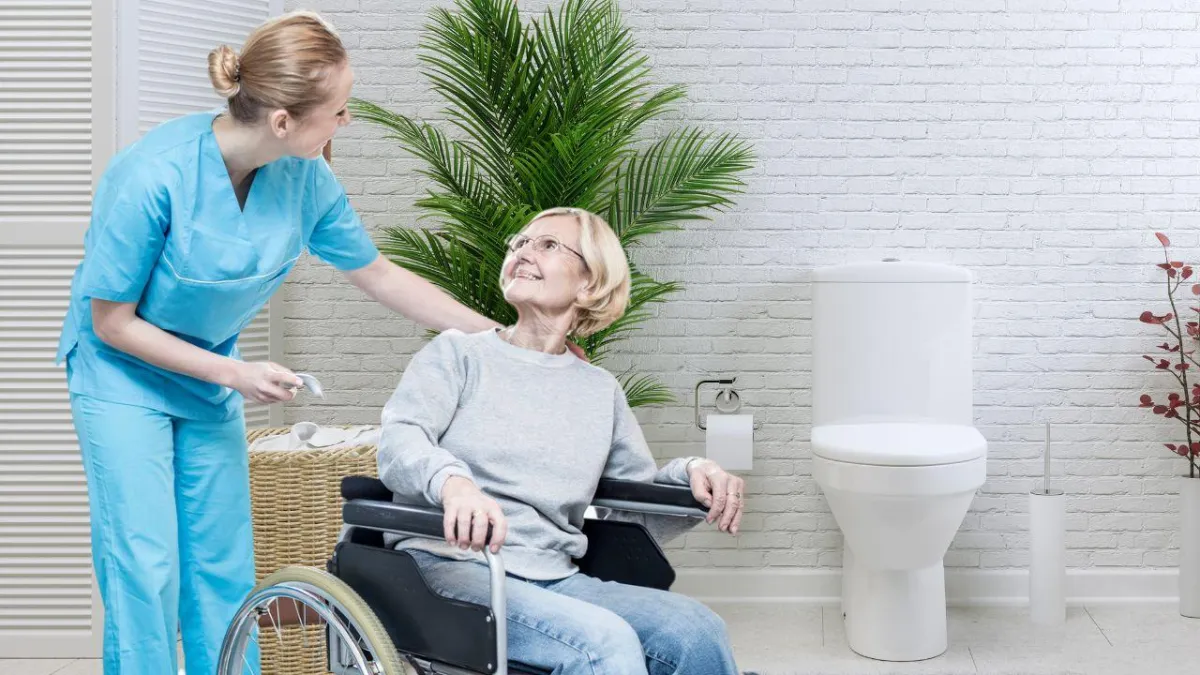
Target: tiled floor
{"x":786,"y":639}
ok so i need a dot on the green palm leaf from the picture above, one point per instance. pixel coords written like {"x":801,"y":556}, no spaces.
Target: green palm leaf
{"x":543,"y":115}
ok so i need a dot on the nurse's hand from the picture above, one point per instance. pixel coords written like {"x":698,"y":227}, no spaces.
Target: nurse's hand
{"x":266,"y":382}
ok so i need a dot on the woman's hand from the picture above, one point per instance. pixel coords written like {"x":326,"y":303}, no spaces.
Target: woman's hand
{"x":265,"y":382}
{"x":468,"y":512}
{"x":720,"y":491}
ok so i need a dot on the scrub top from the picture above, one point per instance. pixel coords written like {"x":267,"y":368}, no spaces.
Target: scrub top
{"x":166,"y":233}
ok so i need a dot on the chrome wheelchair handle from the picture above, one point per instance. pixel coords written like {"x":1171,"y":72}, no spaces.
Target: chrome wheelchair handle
{"x":499,"y":609}
{"x":656,"y":509}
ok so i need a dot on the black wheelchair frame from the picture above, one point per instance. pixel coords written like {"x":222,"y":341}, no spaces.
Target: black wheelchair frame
{"x":445,"y":636}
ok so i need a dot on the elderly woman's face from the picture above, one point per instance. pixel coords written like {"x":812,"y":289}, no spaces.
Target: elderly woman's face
{"x":546,"y":272}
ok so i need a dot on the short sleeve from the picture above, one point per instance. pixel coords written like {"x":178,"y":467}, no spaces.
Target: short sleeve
{"x":131,"y":215}
{"x":339,"y":237}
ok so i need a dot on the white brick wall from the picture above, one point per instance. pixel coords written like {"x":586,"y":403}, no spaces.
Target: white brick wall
{"x":1037,"y":142}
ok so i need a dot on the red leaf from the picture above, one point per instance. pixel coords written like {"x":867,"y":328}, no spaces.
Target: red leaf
{"x":1146,"y":400}
{"x":1162,"y":239}
{"x":1165,"y":266}
{"x":1171,"y":273}
{"x":1170,"y":446}
{"x":1148,"y":358}
{"x":1171,"y":413}
{"x":1172,"y":396}
{"x":1148,"y":317}
{"x":1160,"y":409}
{"x":1176,"y":264}
{"x":1181,"y":366}
{"x":1196,"y":289}
{"x":1163,"y":365}
{"x":1187,"y":272}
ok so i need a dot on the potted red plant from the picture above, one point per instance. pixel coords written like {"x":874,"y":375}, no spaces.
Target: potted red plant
{"x":1177,"y":357}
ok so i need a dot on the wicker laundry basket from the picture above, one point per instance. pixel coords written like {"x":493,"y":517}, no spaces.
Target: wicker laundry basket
{"x":296,"y":507}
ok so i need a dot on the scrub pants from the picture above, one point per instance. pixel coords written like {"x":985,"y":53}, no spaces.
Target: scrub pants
{"x":172,"y":542}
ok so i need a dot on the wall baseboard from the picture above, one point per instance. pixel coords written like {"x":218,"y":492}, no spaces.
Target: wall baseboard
{"x":964,"y":587}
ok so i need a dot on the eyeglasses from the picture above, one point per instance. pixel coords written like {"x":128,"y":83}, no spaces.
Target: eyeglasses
{"x":547,"y":243}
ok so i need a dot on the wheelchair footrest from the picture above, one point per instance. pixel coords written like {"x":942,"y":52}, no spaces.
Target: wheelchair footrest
{"x":419,"y":621}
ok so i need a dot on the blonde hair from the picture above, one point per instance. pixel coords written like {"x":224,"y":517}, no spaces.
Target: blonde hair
{"x":285,"y":63}
{"x":607,"y":292}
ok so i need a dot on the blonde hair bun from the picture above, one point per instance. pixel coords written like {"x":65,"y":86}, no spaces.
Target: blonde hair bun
{"x":223,"y":71}
{"x":284,"y":64}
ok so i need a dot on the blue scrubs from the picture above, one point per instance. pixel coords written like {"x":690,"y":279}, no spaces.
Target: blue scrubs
{"x":164,"y":453}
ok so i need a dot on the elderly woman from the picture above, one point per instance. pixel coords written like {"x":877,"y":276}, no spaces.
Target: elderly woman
{"x":506,"y":427}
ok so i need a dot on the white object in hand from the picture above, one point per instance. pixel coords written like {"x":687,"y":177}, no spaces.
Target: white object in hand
{"x":311,"y":384}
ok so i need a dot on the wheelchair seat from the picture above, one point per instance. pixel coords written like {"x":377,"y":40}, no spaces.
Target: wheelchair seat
{"x":444,"y":635}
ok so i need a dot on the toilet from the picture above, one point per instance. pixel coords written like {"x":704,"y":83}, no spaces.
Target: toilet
{"x":893,"y":446}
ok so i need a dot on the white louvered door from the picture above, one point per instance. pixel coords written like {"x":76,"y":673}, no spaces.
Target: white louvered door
{"x":162,"y":68}
{"x":72,"y":74}
{"x":48,"y":114}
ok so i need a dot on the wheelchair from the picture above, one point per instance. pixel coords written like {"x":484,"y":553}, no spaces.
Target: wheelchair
{"x":380,"y":617}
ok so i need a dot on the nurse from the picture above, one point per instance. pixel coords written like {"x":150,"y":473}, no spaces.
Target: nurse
{"x":193,"y":228}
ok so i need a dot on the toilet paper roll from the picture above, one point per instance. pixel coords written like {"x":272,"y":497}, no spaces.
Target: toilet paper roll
{"x":729,"y":441}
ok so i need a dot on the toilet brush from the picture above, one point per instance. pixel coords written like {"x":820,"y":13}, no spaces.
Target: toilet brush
{"x":1047,"y":550}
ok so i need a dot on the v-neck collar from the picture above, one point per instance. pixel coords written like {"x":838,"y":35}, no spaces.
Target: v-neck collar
{"x":228,"y":196}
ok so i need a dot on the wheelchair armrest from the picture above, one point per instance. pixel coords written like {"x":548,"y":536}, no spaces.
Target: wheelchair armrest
{"x":369,"y":505}
{"x":641,"y":497}
{"x":409,"y":519}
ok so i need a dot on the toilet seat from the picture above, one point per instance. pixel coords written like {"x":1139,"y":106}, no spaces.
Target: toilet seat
{"x":898,"y":444}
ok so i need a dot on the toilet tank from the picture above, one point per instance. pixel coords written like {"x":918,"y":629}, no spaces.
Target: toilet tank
{"x":891,"y":343}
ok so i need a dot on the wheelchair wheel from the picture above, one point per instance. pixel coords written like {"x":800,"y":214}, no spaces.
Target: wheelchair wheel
{"x":312,"y":599}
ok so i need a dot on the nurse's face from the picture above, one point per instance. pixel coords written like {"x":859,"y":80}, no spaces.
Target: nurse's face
{"x":308,"y":137}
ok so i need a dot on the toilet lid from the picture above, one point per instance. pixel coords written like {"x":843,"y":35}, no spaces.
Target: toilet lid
{"x":898,"y":444}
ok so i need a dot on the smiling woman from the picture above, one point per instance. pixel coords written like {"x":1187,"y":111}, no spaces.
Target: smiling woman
{"x":193,"y":228}
{"x":589,"y":281}
{"x":505,"y":429}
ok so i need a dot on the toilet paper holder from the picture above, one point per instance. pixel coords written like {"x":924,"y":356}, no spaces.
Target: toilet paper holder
{"x":728,"y":401}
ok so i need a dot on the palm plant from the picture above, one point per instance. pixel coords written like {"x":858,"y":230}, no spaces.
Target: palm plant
{"x":548,"y":114}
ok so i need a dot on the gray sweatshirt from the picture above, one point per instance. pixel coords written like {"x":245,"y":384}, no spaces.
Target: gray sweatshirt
{"x":534,"y":431}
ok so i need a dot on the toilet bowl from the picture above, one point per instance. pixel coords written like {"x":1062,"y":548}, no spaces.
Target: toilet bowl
{"x":893,"y":446}
{"x":898,"y":492}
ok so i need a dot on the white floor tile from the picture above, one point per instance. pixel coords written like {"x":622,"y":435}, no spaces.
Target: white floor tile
{"x":795,"y":639}
{"x":1162,"y":625}
{"x":83,"y":667}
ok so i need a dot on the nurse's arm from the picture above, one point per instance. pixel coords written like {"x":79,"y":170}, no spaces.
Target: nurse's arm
{"x":417,"y":299}
{"x":118,"y":325}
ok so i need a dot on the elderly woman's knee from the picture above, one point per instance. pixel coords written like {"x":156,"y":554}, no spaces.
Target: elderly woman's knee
{"x":612,"y":645}
{"x":692,"y":631}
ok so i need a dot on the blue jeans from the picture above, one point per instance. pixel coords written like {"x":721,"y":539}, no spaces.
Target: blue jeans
{"x":583,"y":626}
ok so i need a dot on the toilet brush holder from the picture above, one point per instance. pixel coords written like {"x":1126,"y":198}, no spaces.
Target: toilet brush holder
{"x":1047,"y":550}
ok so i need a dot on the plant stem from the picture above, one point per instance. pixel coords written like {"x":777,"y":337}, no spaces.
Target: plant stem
{"x":1187,"y":392}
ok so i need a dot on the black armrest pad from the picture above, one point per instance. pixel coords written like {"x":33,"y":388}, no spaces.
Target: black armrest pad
{"x":365,"y":487}
{"x":421,"y":521}
{"x":650,"y":493}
